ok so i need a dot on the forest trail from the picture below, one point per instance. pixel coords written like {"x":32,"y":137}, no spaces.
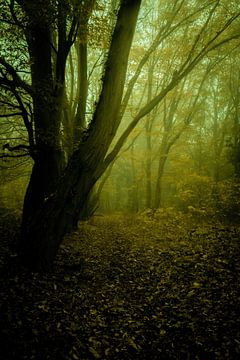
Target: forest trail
{"x":127,"y":287}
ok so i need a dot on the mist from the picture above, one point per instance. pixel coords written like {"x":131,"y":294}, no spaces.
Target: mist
{"x":120,"y":176}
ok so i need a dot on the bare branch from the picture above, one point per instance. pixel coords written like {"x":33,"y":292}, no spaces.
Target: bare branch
{"x":9,"y":115}
{"x":14,"y":156}
{"x":72,"y":33}
{"x":18,"y":82}
{"x":179,"y":75}
{"x":15,"y":148}
{"x":162,"y":34}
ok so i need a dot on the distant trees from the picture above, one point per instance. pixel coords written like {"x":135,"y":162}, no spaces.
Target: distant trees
{"x":234,"y":89}
{"x":197,"y":169}
{"x":75,"y":119}
{"x":197,"y":110}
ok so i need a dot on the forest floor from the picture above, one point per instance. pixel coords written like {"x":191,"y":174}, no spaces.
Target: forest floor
{"x":126,"y":288}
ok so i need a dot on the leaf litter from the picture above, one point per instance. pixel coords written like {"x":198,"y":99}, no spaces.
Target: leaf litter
{"x":126,"y":287}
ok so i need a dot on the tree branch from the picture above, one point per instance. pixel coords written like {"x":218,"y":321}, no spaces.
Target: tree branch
{"x":162,"y":34}
{"x":175,"y":81}
{"x":14,"y":156}
{"x":19,"y":147}
{"x":10,"y":115}
{"x":16,"y":80}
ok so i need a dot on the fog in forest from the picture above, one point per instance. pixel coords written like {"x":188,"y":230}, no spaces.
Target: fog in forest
{"x":120,"y":134}
{"x":184,"y":153}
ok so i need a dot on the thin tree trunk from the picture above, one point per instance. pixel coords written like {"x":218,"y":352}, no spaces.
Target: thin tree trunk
{"x":161,"y":165}
{"x":148,"y":128}
{"x":133,"y":201}
{"x":80,"y":121}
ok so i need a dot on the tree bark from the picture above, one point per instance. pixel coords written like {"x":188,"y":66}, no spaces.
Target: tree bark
{"x":47,"y":155}
{"x":80,"y":121}
{"x":43,"y":232}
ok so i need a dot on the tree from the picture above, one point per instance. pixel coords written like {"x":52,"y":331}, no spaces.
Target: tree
{"x":57,"y":191}
{"x":60,"y":211}
{"x":170,"y":134}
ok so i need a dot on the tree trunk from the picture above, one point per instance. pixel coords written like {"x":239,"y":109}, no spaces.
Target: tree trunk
{"x":80,"y":121}
{"x":48,"y":154}
{"x":161,"y":165}
{"x":44,"y":231}
{"x":133,"y":201}
{"x":148,"y":131}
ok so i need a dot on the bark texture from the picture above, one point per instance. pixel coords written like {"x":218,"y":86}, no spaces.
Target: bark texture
{"x":43,"y":232}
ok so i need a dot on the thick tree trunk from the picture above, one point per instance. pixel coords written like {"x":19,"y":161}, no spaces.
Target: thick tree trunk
{"x":47,"y":109}
{"x":43,"y":233}
{"x":46,"y":170}
{"x":59,"y":213}
{"x":47,"y":155}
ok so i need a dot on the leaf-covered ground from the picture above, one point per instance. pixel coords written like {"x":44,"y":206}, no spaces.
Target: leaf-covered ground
{"x":126,"y":288}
